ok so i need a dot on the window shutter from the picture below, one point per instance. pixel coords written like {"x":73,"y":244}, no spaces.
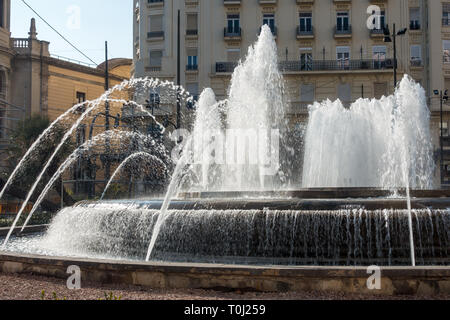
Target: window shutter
{"x":156,"y":23}
{"x":192,"y":23}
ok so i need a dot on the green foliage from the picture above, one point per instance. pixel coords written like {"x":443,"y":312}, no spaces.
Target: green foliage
{"x":111,"y":296}
{"x":21,"y":139}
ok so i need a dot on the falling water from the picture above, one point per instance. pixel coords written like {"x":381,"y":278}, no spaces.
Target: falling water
{"x":82,"y":150}
{"x":207,"y":132}
{"x":92,"y":105}
{"x":120,"y":230}
{"x":155,"y":162}
{"x":171,"y":192}
{"x":367,"y":144}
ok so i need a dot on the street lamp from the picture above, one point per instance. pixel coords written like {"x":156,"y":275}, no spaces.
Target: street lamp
{"x":443,"y":97}
{"x":387,"y":38}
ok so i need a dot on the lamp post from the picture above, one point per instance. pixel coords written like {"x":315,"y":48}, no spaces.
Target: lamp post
{"x":387,"y":38}
{"x":443,"y":96}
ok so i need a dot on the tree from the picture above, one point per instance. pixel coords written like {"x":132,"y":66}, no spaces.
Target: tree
{"x":21,"y":139}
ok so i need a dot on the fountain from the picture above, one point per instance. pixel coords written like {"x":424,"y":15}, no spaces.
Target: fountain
{"x":365,"y":195}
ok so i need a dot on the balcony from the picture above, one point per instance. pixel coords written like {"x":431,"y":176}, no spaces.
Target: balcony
{"x":192,"y":67}
{"x":319,"y":65}
{"x":377,"y":33}
{"x":305,"y":33}
{"x":417,"y":63}
{"x":153,"y":68}
{"x":343,"y":32}
{"x":155,"y":35}
{"x":268,"y":1}
{"x":191,"y":33}
{"x":232,"y":33}
{"x":231,"y":2}
{"x":305,"y":1}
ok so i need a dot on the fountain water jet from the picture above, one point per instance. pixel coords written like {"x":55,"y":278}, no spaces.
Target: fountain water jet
{"x":131,"y":157}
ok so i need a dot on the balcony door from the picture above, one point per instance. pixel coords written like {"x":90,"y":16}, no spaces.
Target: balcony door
{"x":343,"y":57}
{"x":306,"y":59}
{"x":379,"y":56}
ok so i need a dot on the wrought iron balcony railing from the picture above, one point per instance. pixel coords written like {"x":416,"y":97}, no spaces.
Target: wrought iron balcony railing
{"x":416,"y":63}
{"x":232,"y":32}
{"x":343,"y":30}
{"x":319,"y":65}
{"x":155,"y":34}
{"x":192,"y":32}
{"x":302,"y":31}
{"x":191,"y":67}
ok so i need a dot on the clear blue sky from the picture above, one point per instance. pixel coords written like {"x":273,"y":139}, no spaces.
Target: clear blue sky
{"x":85,"y":23}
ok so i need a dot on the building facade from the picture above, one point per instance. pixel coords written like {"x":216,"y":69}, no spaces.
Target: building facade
{"x":34,"y":82}
{"x":325,"y":48}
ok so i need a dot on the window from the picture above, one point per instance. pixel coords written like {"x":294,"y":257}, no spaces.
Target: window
{"x":343,"y":57}
{"x":344,"y":93}
{"x":306,"y":60}
{"x":414,"y":18}
{"x":269,"y":19}
{"x":233,"y":24}
{"x":446,"y":14}
{"x":446,"y":50}
{"x":155,"y":58}
{"x":444,"y":128}
{"x":156,"y":26}
{"x":343,"y":22}
{"x":192,"y":59}
{"x":191,"y":24}
{"x":307,"y":93}
{"x":192,"y":88}
{"x":379,"y":56}
{"x":81,"y":97}
{"x":416,"y":55}
{"x":155,"y":97}
{"x":305,"y":22}
{"x":233,"y":55}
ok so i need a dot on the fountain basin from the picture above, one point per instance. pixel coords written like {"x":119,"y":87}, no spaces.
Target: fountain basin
{"x":281,"y":230}
{"x":394,"y":280}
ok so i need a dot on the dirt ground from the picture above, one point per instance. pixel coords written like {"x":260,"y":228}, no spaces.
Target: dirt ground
{"x":32,"y":287}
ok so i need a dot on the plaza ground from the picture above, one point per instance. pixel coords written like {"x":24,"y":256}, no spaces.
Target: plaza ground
{"x":32,"y":287}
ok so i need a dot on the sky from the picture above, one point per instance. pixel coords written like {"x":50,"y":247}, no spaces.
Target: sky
{"x":85,"y":23}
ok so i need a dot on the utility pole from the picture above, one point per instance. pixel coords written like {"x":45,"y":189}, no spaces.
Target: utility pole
{"x":443,"y":96}
{"x":441,"y":143}
{"x":178,"y":74}
{"x":108,"y":149}
{"x":387,"y":38}
{"x":395,"y":57}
